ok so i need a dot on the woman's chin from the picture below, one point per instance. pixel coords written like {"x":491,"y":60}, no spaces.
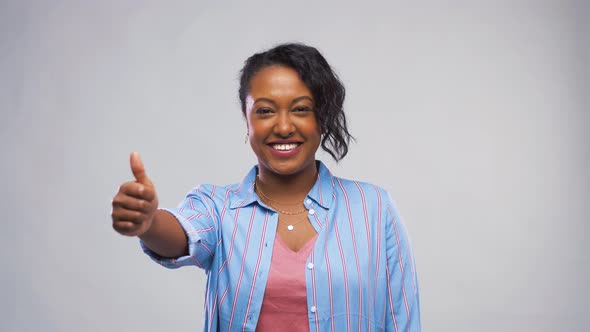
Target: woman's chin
{"x":287,"y":168}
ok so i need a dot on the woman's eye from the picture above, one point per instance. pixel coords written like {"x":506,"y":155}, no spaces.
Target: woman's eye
{"x":302,"y":109}
{"x":263,"y":111}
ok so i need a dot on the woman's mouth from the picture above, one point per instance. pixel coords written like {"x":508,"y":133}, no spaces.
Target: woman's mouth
{"x":285,"y":147}
{"x":285,"y":150}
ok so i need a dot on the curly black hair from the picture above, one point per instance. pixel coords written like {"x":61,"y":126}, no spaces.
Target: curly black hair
{"x":325,"y":86}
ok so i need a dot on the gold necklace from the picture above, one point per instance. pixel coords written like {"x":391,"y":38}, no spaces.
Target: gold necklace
{"x":290,"y":227}
{"x":259,"y":187}
{"x":283,"y":211}
{"x":267,"y":200}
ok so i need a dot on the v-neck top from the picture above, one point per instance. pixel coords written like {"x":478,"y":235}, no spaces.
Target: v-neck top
{"x":284,"y":305}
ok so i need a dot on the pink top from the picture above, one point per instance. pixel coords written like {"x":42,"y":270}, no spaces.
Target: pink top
{"x":284,"y":306}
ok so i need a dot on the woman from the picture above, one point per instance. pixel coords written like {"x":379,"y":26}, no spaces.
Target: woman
{"x":291,"y":247}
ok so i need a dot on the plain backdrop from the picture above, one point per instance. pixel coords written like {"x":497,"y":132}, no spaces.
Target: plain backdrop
{"x":473,"y":114}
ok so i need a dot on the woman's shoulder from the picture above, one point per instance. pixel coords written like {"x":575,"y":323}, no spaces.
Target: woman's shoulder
{"x":361,"y":189}
{"x":347,"y":184}
{"x":214,"y":191}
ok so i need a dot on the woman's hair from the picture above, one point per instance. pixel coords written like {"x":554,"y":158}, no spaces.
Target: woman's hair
{"x":327,"y":90}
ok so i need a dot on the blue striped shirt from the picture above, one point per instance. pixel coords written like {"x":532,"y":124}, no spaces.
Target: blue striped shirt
{"x":360,"y":275}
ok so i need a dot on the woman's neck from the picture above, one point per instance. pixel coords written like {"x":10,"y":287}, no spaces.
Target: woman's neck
{"x":287,"y":188}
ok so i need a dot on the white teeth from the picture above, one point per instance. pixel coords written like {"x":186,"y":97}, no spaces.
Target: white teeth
{"x":284,"y":147}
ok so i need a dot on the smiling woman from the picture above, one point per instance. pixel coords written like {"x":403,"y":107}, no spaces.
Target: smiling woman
{"x":282,"y":125}
{"x":291,"y":247}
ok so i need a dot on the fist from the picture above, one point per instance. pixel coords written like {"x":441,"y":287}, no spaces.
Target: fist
{"x":136,"y":202}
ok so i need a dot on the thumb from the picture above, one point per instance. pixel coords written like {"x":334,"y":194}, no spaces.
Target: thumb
{"x":138,"y":169}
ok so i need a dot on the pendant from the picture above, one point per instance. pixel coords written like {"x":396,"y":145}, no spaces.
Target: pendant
{"x":290,"y":227}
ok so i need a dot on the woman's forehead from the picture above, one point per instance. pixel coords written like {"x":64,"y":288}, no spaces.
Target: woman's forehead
{"x":277,"y":82}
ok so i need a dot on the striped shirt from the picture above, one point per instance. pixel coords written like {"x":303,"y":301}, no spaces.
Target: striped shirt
{"x":360,"y":275}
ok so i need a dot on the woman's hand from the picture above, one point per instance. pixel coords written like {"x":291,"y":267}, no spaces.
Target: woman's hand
{"x":136,"y":202}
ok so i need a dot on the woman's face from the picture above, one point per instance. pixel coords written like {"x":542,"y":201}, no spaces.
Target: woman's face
{"x":282,"y":125}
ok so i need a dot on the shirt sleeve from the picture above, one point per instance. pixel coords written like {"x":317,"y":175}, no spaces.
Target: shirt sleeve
{"x":197,"y":216}
{"x":403,"y":300}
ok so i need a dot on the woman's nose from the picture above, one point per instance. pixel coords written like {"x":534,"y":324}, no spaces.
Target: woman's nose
{"x":284,"y":126}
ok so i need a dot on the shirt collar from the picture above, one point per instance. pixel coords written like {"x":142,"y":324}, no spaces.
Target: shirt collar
{"x":322,"y":192}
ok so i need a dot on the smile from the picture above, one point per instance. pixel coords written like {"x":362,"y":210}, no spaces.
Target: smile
{"x":285,"y":147}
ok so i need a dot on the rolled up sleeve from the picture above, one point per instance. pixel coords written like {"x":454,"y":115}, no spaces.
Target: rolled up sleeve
{"x":196,"y":214}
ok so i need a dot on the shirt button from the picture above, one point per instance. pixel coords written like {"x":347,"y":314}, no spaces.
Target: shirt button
{"x":311,"y":211}
{"x":313,"y":308}
{"x":308,"y":201}
{"x":310,"y":266}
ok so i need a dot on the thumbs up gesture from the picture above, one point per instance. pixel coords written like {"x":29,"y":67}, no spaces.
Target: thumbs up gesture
{"x":136,"y":202}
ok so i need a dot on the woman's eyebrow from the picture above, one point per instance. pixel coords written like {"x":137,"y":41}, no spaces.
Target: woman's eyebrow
{"x":298,"y":99}
{"x":265,"y":100}
{"x":294,"y":101}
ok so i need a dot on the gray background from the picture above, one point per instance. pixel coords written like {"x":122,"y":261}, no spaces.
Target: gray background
{"x":473,"y":114}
